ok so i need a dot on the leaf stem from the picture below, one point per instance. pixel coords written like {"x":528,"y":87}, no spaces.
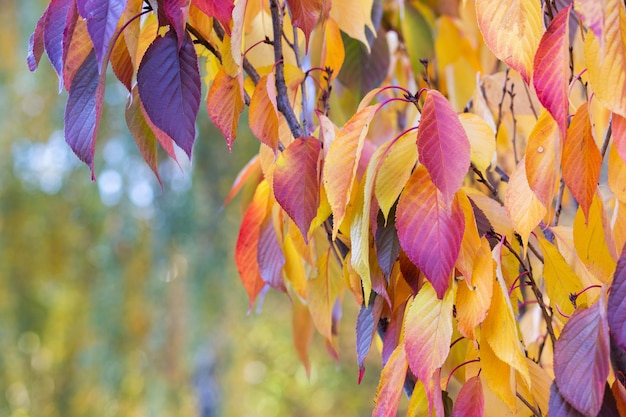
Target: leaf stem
{"x":535,"y":412}
{"x":458,"y":367}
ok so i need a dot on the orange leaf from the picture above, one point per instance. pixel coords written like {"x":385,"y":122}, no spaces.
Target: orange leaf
{"x":141,"y":132}
{"x":391,"y":382}
{"x":342,"y":162}
{"x":581,"y":159}
{"x":511,"y":29}
{"x":470,"y":245}
{"x":250,"y":172}
{"x":551,"y":69}
{"x":443,"y":145}
{"x":521,"y":204}
{"x":617,"y":175}
{"x":303,"y":328}
{"x":225,"y":104}
{"x":263,"y":113}
{"x":248,"y":240}
{"x":542,"y":158}
{"x":333,"y":52}
{"x":80,"y":46}
{"x":305,"y":14}
{"x":322,"y":292}
{"x":430,"y":231}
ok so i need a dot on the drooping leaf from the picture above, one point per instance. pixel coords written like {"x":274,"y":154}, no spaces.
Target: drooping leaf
{"x":303,"y":330}
{"x":353,"y":17}
{"x":497,"y":374}
{"x":121,"y":63}
{"x":581,"y":358}
{"x":430,"y":230}
{"x":294,"y":269}
{"x":481,"y":139}
{"x":512,"y":30}
{"x":581,"y":160}
{"x":560,"y":279}
{"x":163,"y":138}
{"x":333,"y":51}
{"x":177,"y":12}
{"x":36,"y":43}
{"x":53,"y":34}
{"x":142,"y":134}
{"x":83,"y":110}
{"x":270,"y":255}
{"x":169,"y":87}
{"x":342,"y":162}
{"x":619,"y":135}
{"x":617,"y":175}
{"x":250,"y":172}
{"x":470,"y":401}
{"x":366,"y":324}
{"x":248,"y":241}
{"x":472,"y":302}
{"x":542,"y":158}
{"x":442,"y":145}
{"x":364,"y":69}
{"x":296,"y":181}
{"x":617,"y":303}
{"x":387,"y":243}
{"x":225,"y":104}
{"x":390,"y":386}
{"x":263,"y":113}
{"x":305,"y":14}
{"x":79,"y":46}
{"x":522,"y":206}
{"x":551,"y":69}
{"x":220,"y":9}
{"x":606,"y":58}
{"x":558,"y":406}
{"x":470,"y":245}
{"x":102,"y":18}
{"x":322,"y":292}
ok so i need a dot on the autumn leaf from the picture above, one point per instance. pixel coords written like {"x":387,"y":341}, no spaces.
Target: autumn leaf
{"x":581,"y":160}
{"x":142,"y":134}
{"x":430,"y":230}
{"x":470,"y":245}
{"x":225,"y":104}
{"x":353,"y":17}
{"x":305,"y":14}
{"x":470,"y":401}
{"x":512,"y":30}
{"x":617,"y":303}
{"x":177,"y":12}
{"x":79,"y":47}
{"x":53,"y":34}
{"x":270,"y":257}
{"x":542,"y":159}
{"x":121,"y":62}
{"x":303,"y":329}
{"x":333,"y":52}
{"x":220,"y":9}
{"x":442,"y":145}
{"x":296,"y":182}
{"x":481,"y":139}
{"x":581,"y":358}
{"x":366,"y":324}
{"x":169,"y":87}
{"x":390,"y":386}
{"x":591,"y":15}
{"x":322,"y":291}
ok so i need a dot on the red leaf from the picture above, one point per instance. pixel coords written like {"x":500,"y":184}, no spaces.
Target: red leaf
{"x":169,"y":87}
{"x":581,"y":358}
{"x":430,"y":230}
{"x":177,"y":12}
{"x":305,"y":14}
{"x":263,"y":113}
{"x":443,"y":145}
{"x":222,"y":10}
{"x":142,"y":134}
{"x":551,"y":69}
{"x":225,"y":104}
{"x":470,"y":402}
{"x":248,"y":241}
{"x":390,"y":385}
{"x":102,"y":18}
{"x":617,"y":303}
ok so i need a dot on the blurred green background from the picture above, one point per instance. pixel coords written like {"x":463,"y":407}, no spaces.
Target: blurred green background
{"x":119,"y":297}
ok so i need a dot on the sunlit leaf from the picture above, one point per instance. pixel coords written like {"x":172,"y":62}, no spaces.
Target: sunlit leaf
{"x":294,"y":269}
{"x":481,"y":139}
{"x":581,"y":160}
{"x":352,"y":17}
{"x":497,"y":374}
{"x":303,"y":330}
{"x":333,"y":52}
{"x":263,"y":113}
{"x":592,"y":13}
{"x":296,"y":181}
{"x":322,"y":291}
{"x":543,"y":154}
{"x":512,"y":30}
{"x":225,"y":104}
{"x":390,"y":386}
{"x":470,"y":245}
{"x":430,"y":231}
{"x":551,"y":69}
{"x":442,"y":145}
{"x":617,"y":175}
{"x":581,"y":358}
{"x":617,"y":303}
{"x":342,"y":162}
{"x":470,"y":401}
{"x":619,"y":135}
{"x":220,"y":9}
{"x":142,"y":134}
{"x":169,"y":87}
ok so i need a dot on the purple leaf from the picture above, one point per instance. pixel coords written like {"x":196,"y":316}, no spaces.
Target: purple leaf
{"x":102,"y":18}
{"x":83,"y":110}
{"x":35,"y":44}
{"x":270,"y":256}
{"x":169,"y":87}
{"x":387,"y":243}
{"x":558,"y":406}
{"x":366,"y":323}
{"x":53,"y":30}
{"x":617,"y":303}
{"x":581,"y":358}
{"x":177,"y":12}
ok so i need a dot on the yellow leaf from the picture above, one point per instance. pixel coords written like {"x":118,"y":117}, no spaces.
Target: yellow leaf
{"x":472,"y":303}
{"x":560,"y":279}
{"x":322,"y":292}
{"x":497,"y":374}
{"x":394,"y":171}
{"x":303,"y":327}
{"x":418,"y":404}
{"x":333,"y":52}
{"x":606,"y":63}
{"x":521,"y":204}
{"x":617,"y":175}
{"x":590,"y":240}
{"x":619,"y":224}
{"x":482,"y":140}
{"x":470,"y":245}
{"x":540,"y":384}
{"x":543,"y":154}
{"x":564,"y":237}
{"x":512,"y":30}
{"x":352,"y":17}
{"x":294,"y":269}
{"x":451,"y":44}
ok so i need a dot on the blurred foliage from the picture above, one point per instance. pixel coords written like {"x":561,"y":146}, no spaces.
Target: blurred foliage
{"x":120,"y":298}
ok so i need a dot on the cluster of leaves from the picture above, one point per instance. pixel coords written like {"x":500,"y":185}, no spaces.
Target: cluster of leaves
{"x":445,"y":227}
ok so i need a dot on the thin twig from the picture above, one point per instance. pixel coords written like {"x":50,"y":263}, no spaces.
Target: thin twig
{"x":501,"y":102}
{"x":514,"y":139}
{"x":530,"y":101}
{"x":607,"y":137}
{"x":492,"y":189}
{"x":305,"y":100}
{"x":535,"y":412}
{"x":204,"y":42}
{"x":247,"y":66}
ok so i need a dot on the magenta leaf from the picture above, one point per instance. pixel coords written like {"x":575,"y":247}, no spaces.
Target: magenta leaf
{"x":53,"y":30}
{"x":169,"y":87}
{"x":470,"y":402}
{"x":616,"y":309}
{"x":82,"y":111}
{"x":177,"y":12}
{"x":270,"y":256}
{"x":581,"y":358}
{"x":35,"y":44}
{"x":102,"y":18}
{"x":222,"y":10}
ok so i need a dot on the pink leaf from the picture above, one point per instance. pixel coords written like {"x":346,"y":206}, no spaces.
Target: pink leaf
{"x":430,"y":230}
{"x":296,"y":181}
{"x":617,"y":303}
{"x":169,"y":87}
{"x":222,"y":10}
{"x":177,"y":12}
{"x":470,"y":402}
{"x":305,"y":14}
{"x":443,"y":145}
{"x":581,"y":358}
{"x":551,"y":69}
{"x":390,"y":385}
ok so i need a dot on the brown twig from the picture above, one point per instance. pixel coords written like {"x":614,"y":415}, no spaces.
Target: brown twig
{"x":607,"y":137}
{"x":559,"y":203}
{"x":535,"y":412}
